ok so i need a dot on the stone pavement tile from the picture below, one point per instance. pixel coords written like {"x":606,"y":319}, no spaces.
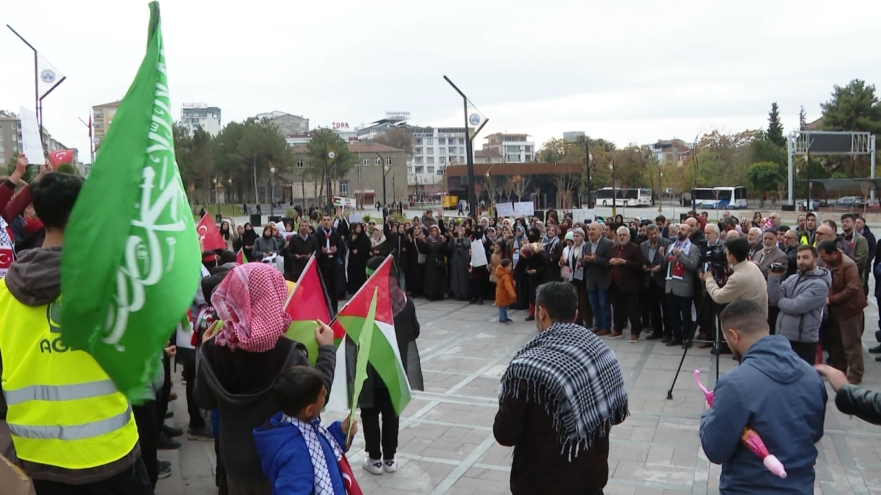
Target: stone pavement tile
{"x":456,"y":364}
{"x":497,"y":455}
{"x":660,"y":455}
{"x":613,"y":488}
{"x":630,"y":452}
{"x":481,"y":387}
{"x":469,"y":481}
{"x":654,"y":473}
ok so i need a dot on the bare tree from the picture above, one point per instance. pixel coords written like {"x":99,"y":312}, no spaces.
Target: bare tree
{"x":506,"y":189}
{"x":491,"y":186}
{"x":866,"y":189}
{"x":566,"y":183}
{"x":781,"y":190}
{"x":518,"y":185}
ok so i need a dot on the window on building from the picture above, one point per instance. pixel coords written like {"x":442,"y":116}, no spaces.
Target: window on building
{"x":429,"y":140}
{"x":430,"y":160}
{"x":429,"y":151}
{"x":452,"y":150}
{"x":420,"y":170}
{"x":430,"y":170}
{"x":417,"y":141}
{"x":417,"y":151}
{"x":461,"y":150}
{"x":344,"y":187}
{"x":461,"y":159}
{"x":461,"y":140}
{"x":418,"y":160}
{"x":300,"y":163}
{"x":378,"y":161}
{"x":409,"y":170}
{"x":388,"y":161}
{"x":442,"y":159}
{"x":367,"y":162}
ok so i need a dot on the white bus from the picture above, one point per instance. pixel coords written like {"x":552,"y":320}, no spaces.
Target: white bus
{"x":720,"y":198}
{"x":624,"y":197}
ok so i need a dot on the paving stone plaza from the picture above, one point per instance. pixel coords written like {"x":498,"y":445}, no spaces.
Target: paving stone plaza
{"x":446,"y":441}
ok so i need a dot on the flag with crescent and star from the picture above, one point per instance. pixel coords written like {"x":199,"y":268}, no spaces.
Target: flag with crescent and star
{"x":209,"y":235}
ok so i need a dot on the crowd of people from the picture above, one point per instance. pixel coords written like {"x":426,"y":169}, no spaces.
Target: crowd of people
{"x":775,"y":297}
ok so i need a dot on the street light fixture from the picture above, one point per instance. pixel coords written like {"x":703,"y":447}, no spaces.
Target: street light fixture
{"x":660,"y":188}
{"x":216,"y":201}
{"x":469,"y":147}
{"x":385,"y":170}
{"x":271,"y":192}
{"x":614,"y":193}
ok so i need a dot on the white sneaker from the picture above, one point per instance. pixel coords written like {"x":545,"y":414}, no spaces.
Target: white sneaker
{"x":372,"y":466}
{"x":390,"y":466}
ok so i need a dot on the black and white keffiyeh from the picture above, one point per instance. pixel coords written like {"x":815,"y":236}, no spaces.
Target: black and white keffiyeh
{"x":322,"y":483}
{"x":580,"y":381}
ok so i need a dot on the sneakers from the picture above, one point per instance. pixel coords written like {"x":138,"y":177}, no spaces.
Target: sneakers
{"x":203,"y":433}
{"x":372,"y":466}
{"x":505,"y":322}
{"x":615,"y":335}
{"x":390,"y":466}
{"x":164,"y":469}
{"x":164,"y":442}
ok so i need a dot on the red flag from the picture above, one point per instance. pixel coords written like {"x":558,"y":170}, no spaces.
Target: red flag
{"x":61,"y":157}
{"x":6,"y":259}
{"x":349,"y":480}
{"x":307,"y":303}
{"x":209,"y":234}
{"x":240,"y":257}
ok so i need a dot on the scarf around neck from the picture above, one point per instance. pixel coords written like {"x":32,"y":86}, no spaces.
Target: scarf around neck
{"x":322,"y":484}
{"x":548,"y":244}
{"x":576,"y":377}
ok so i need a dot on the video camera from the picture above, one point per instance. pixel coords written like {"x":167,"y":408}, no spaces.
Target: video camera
{"x":715,"y":259}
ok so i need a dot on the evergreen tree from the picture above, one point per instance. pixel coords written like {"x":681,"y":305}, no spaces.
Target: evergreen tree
{"x":775,"y":128}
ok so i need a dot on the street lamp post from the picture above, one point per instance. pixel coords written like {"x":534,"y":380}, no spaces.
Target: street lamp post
{"x":385,"y":171}
{"x":469,"y":146}
{"x":587,"y":159}
{"x":660,"y":188}
{"x":216,"y":201}
{"x":48,"y":76}
{"x":330,"y":156}
{"x":271,"y":192}
{"x":614,"y":193}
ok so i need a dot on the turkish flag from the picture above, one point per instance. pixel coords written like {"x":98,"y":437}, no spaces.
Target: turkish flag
{"x":61,"y":157}
{"x":349,"y":481}
{"x":209,"y":235}
{"x":6,"y":259}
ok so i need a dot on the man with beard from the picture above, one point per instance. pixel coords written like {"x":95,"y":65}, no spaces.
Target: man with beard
{"x":558,"y":400}
{"x":754,"y":236}
{"x":654,"y":253}
{"x":769,"y":253}
{"x":327,"y":244}
{"x":596,"y":278}
{"x":857,"y":242}
{"x":297,"y":251}
{"x":684,"y":258}
{"x":790,"y":249}
{"x":808,"y":230}
{"x":625,"y":260}
{"x":846,"y":304}
{"x":864,"y":231}
{"x":537,"y":268}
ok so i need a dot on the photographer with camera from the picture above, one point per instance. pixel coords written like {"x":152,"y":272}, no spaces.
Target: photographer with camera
{"x":745,"y":281}
{"x":800,"y":300}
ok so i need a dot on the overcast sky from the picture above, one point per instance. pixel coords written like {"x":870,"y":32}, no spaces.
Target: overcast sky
{"x":629,"y":71}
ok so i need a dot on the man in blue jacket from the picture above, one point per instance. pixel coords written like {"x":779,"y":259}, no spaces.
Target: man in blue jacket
{"x":774,"y":392}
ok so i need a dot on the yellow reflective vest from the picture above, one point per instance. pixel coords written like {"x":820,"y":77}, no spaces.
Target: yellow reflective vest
{"x":63,"y":408}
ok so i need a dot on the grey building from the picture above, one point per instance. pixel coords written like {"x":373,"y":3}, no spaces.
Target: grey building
{"x":288,"y":124}
{"x":201,"y":116}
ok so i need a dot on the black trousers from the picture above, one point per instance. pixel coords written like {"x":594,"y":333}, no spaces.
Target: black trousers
{"x":162,"y":396}
{"x":656,"y":303}
{"x":189,"y":375}
{"x":132,"y":481}
{"x":773,"y":311}
{"x":585,"y":313}
{"x":680,"y":310}
{"x":382,"y":404}
{"x":625,"y":306}
{"x":806,"y":351}
{"x":328,"y":273}
{"x":145,"y":418}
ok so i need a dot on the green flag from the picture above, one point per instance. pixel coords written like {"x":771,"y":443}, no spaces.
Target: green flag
{"x":364,"y":341}
{"x":131,"y":262}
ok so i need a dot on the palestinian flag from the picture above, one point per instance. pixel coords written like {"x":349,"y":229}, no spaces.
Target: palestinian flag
{"x":309,"y":302}
{"x":384,"y":354}
{"x":240,"y":257}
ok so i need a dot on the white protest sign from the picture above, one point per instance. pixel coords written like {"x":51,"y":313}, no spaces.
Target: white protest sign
{"x":31,"y":144}
{"x":478,"y":254}
{"x":504,"y":210}
{"x":583,"y":215}
{"x":355,"y":218}
{"x":524,"y":208}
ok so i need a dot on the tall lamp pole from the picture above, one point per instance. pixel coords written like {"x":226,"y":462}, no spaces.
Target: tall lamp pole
{"x":271,"y":192}
{"x":614,"y":193}
{"x":385,"y":171}
{"x":48,"y":76}
{"x":469,"y":158}
{"x":587,"y":159}
{"x":660,"y":187}
{"x":331,"y":157}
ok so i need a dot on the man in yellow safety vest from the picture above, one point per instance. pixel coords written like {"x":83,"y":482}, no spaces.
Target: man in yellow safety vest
{"x":73,"y":432}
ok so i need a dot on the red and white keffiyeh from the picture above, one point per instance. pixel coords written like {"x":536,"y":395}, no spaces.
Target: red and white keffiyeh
{"x":250,"y":301}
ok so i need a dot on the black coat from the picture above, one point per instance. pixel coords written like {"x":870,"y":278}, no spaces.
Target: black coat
{"x":436,"y":281}
{"x":325,"y":259}
{"x":860,"y":402}
{"x":295,"y":247}
{"x":357,"y":269}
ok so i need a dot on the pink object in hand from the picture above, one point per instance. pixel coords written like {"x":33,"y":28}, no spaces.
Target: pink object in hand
{"x":748,"y":437}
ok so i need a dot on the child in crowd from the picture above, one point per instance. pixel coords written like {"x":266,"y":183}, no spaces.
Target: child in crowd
{"x":505,"y":293}
{"x":495,"y":260}
{"x":297,"y":454}
{"x":381,"y":444}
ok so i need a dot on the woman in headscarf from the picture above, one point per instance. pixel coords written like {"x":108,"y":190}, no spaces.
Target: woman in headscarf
{"x":266,"y":245}
{"x":459,"y":247}
{"x":359,"y":253}
{"x":435,"y":283}
{"x":378,"y":246}
{"x":521,"y":279}
{"x":551,"y":245}
{"x":235,"y":369}
{"x":249,"y":238}
{"x":229,"y":234}
{"x":416,"y":261}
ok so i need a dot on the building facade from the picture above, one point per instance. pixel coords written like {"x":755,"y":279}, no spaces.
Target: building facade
{"x":201,"y":116}
{"x":487,"y":156}
{"x":573,"y":136}
{"x":669,"y":151}
{"x":515,"y":148}
{"x":10,"y":140}
{"x":102,"y":117}
{"x":288,"y":124}
{"x":363,"y":181}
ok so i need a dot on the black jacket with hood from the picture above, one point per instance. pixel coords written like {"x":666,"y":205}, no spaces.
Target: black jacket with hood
{"x":35,"y":280}
{"x":239,"y":384}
